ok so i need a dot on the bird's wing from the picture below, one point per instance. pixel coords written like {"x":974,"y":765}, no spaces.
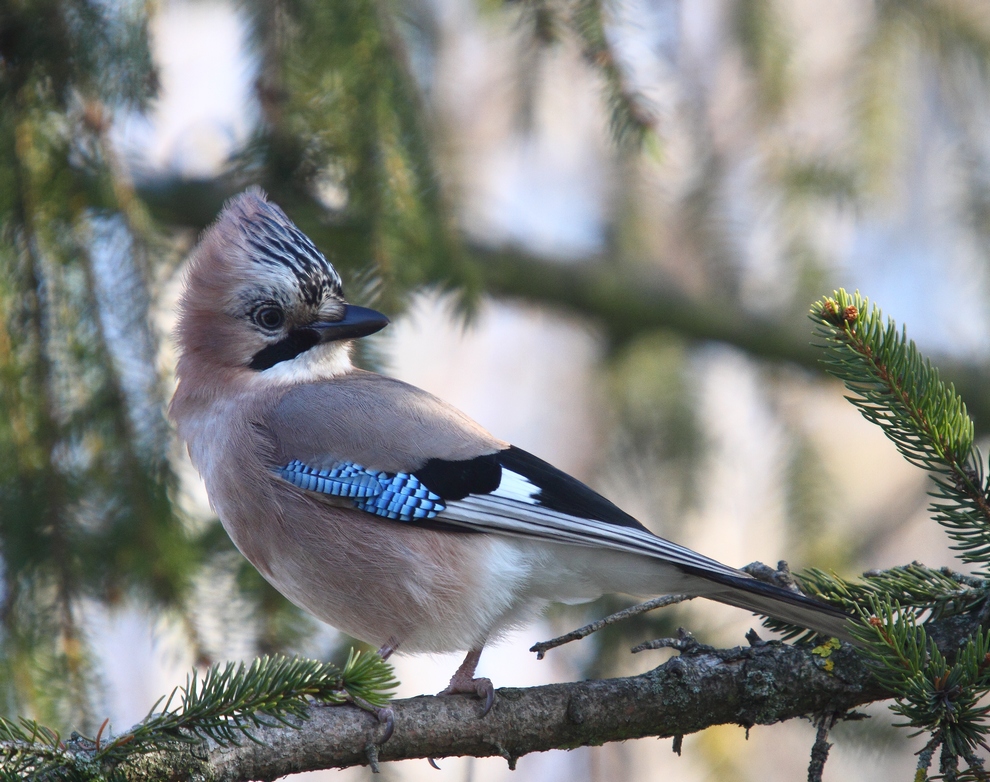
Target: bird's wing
{"x":399,"y":453}
{"x":395,"y":451}
{"x":372,"y":420}
{"x":510,"y":492}
{"x":535,"y":499}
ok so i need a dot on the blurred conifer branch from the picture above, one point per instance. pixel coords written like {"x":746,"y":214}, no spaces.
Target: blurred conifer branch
{"x":631,"y":119}
{"x":766,"y":48}
{"x":344,"y":147}
{"x":84,"y":475}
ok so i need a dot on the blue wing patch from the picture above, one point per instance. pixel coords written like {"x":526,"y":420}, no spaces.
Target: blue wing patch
{"x":344,"y":480}
{"x":398,"y":496}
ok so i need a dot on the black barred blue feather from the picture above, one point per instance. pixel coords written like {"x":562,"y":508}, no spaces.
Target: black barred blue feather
{"x":397,"y":496}
{"x":345,"y":480}
{"x":403,"y":498}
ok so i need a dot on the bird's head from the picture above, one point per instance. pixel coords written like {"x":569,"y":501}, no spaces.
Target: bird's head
{"x":261,"y":301}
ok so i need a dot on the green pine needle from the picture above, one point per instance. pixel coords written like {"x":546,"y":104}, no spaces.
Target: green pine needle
{"x":895,"y":387}
{"x":932,"y":694}
{"x":224,"y":704}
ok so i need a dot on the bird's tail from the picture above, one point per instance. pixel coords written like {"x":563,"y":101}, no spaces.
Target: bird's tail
{"x":745,"y":592}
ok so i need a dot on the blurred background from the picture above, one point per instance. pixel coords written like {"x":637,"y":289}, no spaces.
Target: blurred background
{"x":599,"y":225}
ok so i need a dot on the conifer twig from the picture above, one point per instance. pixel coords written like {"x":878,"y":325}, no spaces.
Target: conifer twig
{"x":899,"y":390}
{"x":543,"y":647}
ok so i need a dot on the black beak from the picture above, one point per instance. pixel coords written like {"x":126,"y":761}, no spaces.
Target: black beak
{"x":357,"y":322}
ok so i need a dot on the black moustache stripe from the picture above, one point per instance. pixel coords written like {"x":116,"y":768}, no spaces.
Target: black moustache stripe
{"x":298,"y":341}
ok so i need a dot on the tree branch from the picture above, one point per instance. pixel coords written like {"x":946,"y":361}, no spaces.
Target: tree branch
{"x":702,"y":687}
{"x":626,"y":307}
{"x":756,"y":685}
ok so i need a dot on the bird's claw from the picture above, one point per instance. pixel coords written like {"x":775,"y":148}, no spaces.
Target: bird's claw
{"x":481,"y":687}
{"x":386,"y":717}
{"x":384,"y":714}
{"x":464,"y":681}
{"x":486,"y":690}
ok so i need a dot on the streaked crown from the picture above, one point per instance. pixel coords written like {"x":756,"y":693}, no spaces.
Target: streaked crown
{"x":271,"y":239}
{"x":253,"y":282}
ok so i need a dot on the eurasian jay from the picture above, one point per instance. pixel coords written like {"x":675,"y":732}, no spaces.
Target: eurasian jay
{"x":374,"y":505}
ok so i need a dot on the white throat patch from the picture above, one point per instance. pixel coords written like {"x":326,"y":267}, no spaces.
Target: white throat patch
{"x":320,"y":362}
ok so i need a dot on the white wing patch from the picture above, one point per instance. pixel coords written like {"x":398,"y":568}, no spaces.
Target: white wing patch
{"x":514,"y":486}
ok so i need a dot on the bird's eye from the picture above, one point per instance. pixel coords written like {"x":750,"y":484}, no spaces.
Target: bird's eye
{"x":269,"y":318}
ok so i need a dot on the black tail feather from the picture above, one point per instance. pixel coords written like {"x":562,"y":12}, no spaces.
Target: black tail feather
{"x":763,"y":598}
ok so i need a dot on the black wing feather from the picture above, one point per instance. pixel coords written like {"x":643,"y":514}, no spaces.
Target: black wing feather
{"x":560,"y":492}
{"x":553,"y":489}
{"x":456,"y":480}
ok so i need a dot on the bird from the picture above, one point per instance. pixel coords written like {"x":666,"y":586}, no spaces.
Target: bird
{"x":374,"y":505}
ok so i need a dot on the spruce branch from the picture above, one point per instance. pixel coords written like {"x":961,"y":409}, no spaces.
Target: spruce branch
{"x":936,"y":691}
{"x":929,"y":594}
{"x":226,"y":704}
{"x":937,"y":592}
{"x":701,"y":687}
{"x":934,"y":694}
{"x":899,"y":390}
{"x":29,"y":749}
{"x":229,"y":701}
{"x":630,"y":118}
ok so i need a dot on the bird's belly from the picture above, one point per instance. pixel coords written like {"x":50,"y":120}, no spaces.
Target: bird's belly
{"x":383,"y":581}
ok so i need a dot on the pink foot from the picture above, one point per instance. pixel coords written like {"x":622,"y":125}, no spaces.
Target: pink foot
{"x":463,"y":681}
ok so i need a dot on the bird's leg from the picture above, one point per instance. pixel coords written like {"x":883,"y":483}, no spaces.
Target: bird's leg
{"x":384,"y":714}
{"x":463,"y":681}
{"x":388,"y":648}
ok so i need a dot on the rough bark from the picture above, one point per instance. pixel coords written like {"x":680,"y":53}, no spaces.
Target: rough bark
{"x":747,"y":686}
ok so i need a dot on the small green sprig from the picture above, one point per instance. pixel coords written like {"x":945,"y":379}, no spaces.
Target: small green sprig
{"x":29,"y":749}
{"x":231,"y":700}
{"x":896,"y":388}
{"x":930,"y":593}
{"x":933,"y":695}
